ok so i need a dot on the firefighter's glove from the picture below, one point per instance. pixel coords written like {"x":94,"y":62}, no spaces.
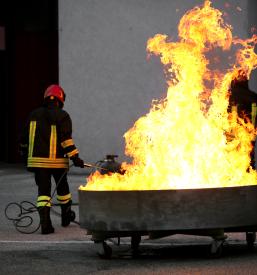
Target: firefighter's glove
{"x":78,"y":162}
{"x":23,"y":151}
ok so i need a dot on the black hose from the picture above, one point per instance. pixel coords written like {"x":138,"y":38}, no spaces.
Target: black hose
{"x":23,"y":218}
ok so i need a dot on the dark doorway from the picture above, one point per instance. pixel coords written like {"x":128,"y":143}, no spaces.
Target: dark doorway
{"x":28,"y":64}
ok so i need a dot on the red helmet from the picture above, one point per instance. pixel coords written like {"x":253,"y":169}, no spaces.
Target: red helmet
{"x":56,"y":91}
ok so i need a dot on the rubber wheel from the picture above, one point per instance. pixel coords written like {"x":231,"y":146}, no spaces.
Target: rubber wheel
{"x":107,"y":251}
{"x":217,"y":252}
{"x":135,"y":241}
{"x":250,"y":239}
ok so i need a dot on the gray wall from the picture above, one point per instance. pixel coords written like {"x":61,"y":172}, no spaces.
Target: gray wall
{"x":104,"y":68}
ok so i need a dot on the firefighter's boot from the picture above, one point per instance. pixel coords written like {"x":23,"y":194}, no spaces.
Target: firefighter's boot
{"x":45,"y":221}
{"x":67,"y":214}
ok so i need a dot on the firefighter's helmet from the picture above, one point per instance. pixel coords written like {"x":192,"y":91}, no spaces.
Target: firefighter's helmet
{"x":55,"y":91}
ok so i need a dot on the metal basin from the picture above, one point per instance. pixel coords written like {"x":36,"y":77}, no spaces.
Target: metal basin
{"x":231,"y":209}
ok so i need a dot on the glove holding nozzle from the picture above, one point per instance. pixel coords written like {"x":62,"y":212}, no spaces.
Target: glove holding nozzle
{"x":87,"y":165}
{"x":77,"y":161}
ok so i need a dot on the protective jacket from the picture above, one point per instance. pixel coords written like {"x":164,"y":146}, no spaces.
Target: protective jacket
{"x":47,"y":138}
{"x":244,"y":101}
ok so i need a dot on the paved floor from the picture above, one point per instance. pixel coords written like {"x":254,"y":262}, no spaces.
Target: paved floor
{"x":17,"y":187}
{"x":71,"y":251}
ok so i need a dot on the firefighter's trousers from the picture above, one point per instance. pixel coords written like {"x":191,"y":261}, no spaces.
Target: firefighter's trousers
{"x":43,"y":178}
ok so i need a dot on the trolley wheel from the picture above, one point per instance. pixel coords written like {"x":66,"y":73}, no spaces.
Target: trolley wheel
{"x":216,"y":248}
{"x":250,"y":239}
{"x":72,"y":216}
{"x":104,"y":250}
{"x":135,"y":241}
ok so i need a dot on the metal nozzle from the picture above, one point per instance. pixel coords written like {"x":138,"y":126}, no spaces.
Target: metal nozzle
{"x":94,"y":166}
{"x":88,"y":165}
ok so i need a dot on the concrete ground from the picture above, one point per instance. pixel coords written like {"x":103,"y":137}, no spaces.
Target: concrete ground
{"x":18,"y":188}
{"x":71,"y":251}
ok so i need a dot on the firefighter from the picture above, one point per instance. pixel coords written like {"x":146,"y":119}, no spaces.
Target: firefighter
{"x":47,"y":145}
{"x":244,"y":101}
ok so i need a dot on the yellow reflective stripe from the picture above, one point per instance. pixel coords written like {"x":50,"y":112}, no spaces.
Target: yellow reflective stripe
{"x":254,"y":113}
{"x":43,"y":198}
{"x":67,"y":143}
{"x":48,"y":163}
{"x":52,"y":150}
{"x":32,"y":131}
{"x":234,"y":108}
{"x":43,"y":165}
{"x":44,"y":201}
{"x":64,"y":199}
{"x":48,"y":160}
{"x":72,"y":153}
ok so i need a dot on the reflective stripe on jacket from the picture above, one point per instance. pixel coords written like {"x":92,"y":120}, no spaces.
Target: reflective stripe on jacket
{"x":253,"y":114}
{"x":48,"y":136}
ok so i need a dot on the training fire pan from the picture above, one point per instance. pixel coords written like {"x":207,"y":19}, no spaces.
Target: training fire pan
{"x":229,"y":208}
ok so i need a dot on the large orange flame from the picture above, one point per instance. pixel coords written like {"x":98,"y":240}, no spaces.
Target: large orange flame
{"x":189,"y":139}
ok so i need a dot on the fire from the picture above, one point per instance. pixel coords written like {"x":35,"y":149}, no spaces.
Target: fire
{"x":189,"y":139}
